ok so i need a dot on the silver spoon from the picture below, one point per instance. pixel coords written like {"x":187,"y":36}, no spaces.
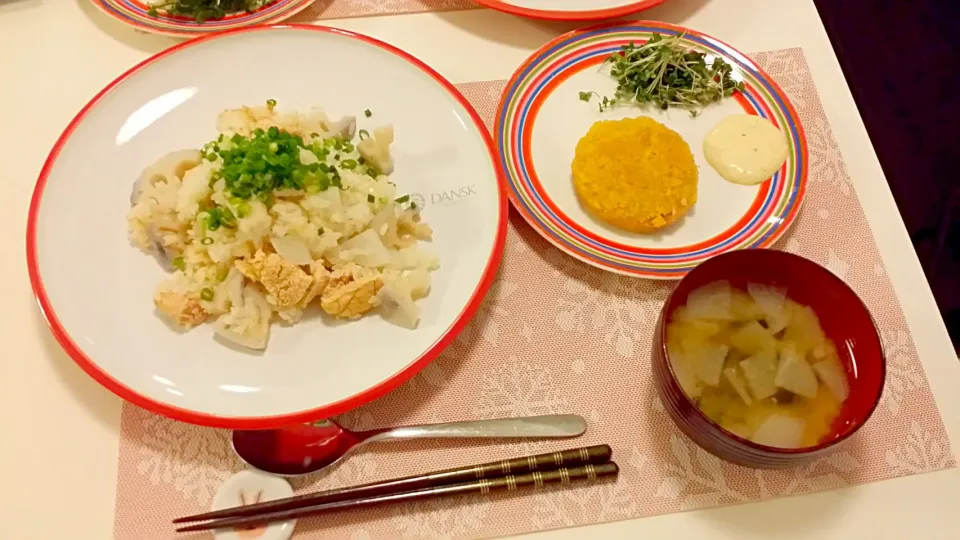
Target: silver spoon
{"x":308,"y":448}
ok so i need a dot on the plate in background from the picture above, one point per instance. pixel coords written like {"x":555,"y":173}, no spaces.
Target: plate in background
{"x":570,"y":10}
{"x":135,"y":13}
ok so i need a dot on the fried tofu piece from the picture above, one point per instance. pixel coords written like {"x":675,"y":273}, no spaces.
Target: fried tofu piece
{"x":351,"y":292}
{"x":287,"y":284}
{"x":184,"y":311}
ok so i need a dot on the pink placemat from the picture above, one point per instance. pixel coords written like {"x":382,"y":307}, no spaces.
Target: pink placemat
{"x":342,"y":9}
{"x":555,"y":335}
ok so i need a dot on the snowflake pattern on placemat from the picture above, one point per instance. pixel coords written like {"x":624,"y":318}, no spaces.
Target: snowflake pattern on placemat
{"x":555,"y":335}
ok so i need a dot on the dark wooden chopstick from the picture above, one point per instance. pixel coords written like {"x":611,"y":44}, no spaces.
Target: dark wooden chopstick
{"x":511,"y":482}
{"x":552,"y":460}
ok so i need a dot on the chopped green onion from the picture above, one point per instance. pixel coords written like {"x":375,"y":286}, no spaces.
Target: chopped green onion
{"x":320,"y":230}
{"x":271,"y":103}
{"x":268,"y":160}
{"x":207,"y":241}
{"x":371,"y":198}
{"x":227,"y":214}
{"x":222,"y":274}
{"x":298,"y":177}
{"x":349,"y":164}
{"x":243,"y":210}
{"x":403,"y":199}
{"x":413,"y":206}
{"x":206,"y":294}
{"x":364,"y":134}
{"x":367,"y":113}
{"x":179,"y":263}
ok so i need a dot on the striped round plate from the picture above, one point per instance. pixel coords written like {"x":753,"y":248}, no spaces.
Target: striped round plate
{"x":135,"y":13}
{"x":541,"y":118}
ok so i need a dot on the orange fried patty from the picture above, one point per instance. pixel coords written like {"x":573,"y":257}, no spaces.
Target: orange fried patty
{"x":635,"y":174}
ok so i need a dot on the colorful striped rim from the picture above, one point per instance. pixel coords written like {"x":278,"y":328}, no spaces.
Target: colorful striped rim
{"x":774,"y":209}
{"x":134,"y":13}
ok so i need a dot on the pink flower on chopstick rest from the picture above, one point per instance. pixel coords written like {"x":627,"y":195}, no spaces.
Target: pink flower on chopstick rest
{"x":254,"y":531}
{"x":251,"y":487}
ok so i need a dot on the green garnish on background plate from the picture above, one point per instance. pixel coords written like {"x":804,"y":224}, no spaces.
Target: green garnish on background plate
{"x":206,"y":10}
{"x":667,"y":73}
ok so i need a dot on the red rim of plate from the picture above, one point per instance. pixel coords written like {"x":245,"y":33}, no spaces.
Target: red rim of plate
{"x":586,"y":15}
{"x":263,"y":422}
{"x":608,"y":254}
{"x":134,"y":13}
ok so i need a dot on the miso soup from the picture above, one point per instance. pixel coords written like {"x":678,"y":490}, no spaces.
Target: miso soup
{"x":758,"y":364}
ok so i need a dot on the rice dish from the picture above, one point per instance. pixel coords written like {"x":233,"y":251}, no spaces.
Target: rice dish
{"x":282,"y":211}
{"x":635,"y":174}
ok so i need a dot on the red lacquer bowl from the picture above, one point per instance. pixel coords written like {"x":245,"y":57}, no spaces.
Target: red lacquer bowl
{"x":844,"y":318}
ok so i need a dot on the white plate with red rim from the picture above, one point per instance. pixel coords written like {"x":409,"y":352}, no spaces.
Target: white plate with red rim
{"x":570,"y":10}
{"x":95,"y":288}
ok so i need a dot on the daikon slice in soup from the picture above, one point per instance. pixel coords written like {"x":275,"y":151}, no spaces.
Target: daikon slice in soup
{"x":758,"y":364}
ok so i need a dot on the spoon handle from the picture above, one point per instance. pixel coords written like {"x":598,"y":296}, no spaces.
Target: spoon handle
{"x":551,"y":425}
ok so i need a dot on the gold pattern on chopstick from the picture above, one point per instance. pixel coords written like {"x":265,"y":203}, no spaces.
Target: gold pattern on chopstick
{"x":557,"y":458}
{"x":505,"y":466}
{"x":584,"y":455}
{"x":446,"y":482}
{"x":538,"y":479}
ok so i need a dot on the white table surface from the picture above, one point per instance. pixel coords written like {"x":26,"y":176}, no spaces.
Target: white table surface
{"x":60,"y":439}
